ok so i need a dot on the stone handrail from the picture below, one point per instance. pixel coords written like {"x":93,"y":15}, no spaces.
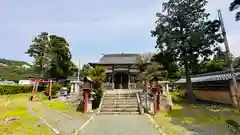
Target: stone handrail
{"x":139,"y":104}
{"x":101,"y":102}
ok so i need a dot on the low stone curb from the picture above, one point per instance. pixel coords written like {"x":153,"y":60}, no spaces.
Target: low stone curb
{"x":85,"y":124}
{"x":54,"y":130}
{"x":156,"y":126}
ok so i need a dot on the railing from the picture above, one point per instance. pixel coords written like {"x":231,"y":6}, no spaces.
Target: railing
{"x":101,"y":102}
{"x":133,"y":86}
{"x":146,"y":100}
{"x":107,"y":85}
{"x":139,"y":104}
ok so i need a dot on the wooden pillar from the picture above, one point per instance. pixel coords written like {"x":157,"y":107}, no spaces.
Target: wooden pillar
{"x":112,"y":77}
{"x":129,"y":77}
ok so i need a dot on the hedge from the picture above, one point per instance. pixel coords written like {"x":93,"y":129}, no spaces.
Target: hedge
{"x":16,"y":89}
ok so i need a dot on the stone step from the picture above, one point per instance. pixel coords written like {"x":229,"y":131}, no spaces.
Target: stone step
{"x":119,"y":110}
{"x":129,"y":99}
{"x":119,"y":113}
{"x":120,"y":106}
{"x":120,"y":102}
{"x":119,"y":97}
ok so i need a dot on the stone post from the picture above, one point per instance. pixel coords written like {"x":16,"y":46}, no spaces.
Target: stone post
{"x":72,"y":87}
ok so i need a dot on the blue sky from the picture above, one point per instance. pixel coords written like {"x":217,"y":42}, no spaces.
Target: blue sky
{"x":92,"y":27}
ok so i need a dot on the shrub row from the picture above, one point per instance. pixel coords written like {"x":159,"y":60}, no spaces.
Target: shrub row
{"x":16,"y":89}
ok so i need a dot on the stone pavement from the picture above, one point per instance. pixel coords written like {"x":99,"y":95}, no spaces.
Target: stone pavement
{"x":63,"y":124}
{"x":120,"y":125}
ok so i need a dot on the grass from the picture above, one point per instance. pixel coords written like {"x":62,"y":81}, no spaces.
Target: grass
{"x":59,"y":105}
{"x":16,"y":106}
{"x":66,"y":108}
{"x":188,"y":118}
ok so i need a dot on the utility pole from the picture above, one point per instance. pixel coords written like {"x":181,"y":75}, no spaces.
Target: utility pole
{"x":78,"y":75}
{"x":229,"y":58}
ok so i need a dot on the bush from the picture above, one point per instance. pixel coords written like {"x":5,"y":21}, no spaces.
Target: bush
{"x":6,"y":89}
{"x":55,"y":89}
{"x":14,"y":89}
{"x":97,"y":98}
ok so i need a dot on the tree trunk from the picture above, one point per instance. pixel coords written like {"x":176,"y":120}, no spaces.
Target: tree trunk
{"x":233,"y":95}
{"x":189,"y":91}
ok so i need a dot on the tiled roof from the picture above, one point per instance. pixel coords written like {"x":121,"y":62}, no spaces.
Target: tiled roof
{"x":121,"y":58}
{"x":213,"y":76}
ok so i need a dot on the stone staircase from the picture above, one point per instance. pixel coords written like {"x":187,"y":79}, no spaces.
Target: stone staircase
{"x":120,"y":103}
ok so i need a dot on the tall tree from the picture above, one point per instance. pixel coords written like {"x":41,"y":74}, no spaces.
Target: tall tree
{"x":169,"y":65}
{"x":38,"y":50}
{"x":184,"y":32}
{"x":233,"y":6}
{"x":52,"y":56}
{"x":61,"y":64}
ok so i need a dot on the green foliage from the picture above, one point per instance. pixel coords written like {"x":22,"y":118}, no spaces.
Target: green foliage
{"x":84,"y":70}
{"x":55,"y":89}
{"x":16,"y":89}
{"x":15,"y":73}
{"x":15,"y":70}
{"x":171,"y":67}
{"x":237,"y":62}
{"x":233,"y":6}
{"x":185,"y":34}
{"x":52,"y":56}
{"x":13,"y":62}
{"x":98,"y":75}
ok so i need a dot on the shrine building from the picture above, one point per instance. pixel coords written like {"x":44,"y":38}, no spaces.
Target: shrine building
{"x":121,"y":69}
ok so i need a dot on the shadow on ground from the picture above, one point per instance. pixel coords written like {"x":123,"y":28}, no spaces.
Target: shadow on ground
{"x":201,"y":118}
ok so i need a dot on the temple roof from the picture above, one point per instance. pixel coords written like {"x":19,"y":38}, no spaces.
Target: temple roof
{"x":213,"y":76}
{"x":121,"y":58}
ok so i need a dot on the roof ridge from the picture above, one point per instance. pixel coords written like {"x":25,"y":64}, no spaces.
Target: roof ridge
{"x":214,"y":73}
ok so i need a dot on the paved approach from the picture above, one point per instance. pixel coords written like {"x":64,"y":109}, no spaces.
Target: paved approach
{"x":120,"y":125}
{"x":65,"y":125}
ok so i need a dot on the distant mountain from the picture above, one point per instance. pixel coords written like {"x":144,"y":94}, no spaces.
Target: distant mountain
{"x":15,"y":70}
{"x":15,"y":63}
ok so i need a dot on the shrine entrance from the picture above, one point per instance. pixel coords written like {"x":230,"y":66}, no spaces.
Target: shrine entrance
{"x":121,"y":80}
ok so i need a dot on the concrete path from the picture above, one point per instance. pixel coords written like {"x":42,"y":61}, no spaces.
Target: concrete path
{"x":63,"y":124}
{"x":120,"y":125}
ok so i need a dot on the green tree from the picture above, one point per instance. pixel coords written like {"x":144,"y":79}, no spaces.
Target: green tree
{"x":237,"y":62}
{"x":169,"y":65}
{"x":38,"y":50}
{"x":84,"y":70}
{"x":98,"y":75}
{"x":184,"y":32}
{"x":149,"y":70}
{"x":233,"y":6}
{"x":52,"y":56}
{"x":60,"y":65}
